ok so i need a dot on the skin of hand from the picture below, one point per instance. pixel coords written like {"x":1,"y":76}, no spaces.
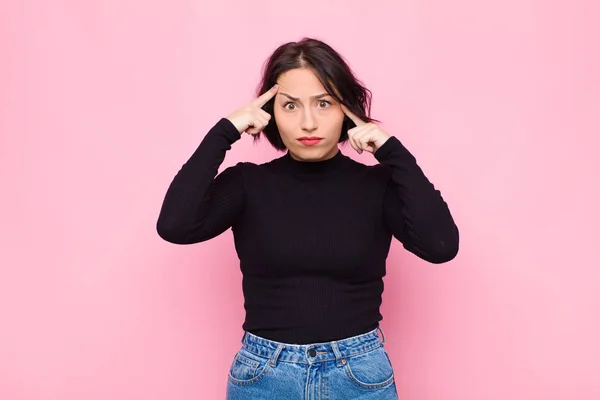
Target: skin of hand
{"x":251,"y":118}
{"x":366,"y":135}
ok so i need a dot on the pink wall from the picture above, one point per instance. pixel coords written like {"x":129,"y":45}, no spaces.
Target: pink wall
{"x":102,"y":101}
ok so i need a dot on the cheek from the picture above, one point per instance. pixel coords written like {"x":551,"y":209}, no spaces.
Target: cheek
{"x":284,"y":123}
{"x":334,"y":120}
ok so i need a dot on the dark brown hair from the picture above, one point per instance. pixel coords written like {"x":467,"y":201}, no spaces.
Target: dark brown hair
{"x":331,"y":70}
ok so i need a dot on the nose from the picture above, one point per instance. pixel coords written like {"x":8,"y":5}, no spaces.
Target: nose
{"x":309,"y":122}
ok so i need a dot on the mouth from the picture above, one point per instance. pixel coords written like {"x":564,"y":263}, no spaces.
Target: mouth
{"x":309,"y":141}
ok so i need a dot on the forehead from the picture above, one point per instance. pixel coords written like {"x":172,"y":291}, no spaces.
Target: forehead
{"x":300,"y":82}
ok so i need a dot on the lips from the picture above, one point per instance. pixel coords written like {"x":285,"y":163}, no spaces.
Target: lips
{"x":309,"y":141}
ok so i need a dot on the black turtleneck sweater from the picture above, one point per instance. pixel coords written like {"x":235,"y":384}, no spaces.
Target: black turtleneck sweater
{"x":312,"y":237}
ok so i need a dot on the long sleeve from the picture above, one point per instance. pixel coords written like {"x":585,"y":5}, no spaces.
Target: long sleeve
{"x":199,"y":204}
{"x":414,"y":209}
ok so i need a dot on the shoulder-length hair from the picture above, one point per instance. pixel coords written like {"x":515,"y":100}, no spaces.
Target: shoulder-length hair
{"x":332,"y":71}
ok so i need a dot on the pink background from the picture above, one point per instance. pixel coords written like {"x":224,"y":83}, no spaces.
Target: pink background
{"x":102,"y":101}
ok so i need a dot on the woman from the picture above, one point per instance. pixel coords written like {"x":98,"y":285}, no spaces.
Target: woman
{"x":312,"y":228}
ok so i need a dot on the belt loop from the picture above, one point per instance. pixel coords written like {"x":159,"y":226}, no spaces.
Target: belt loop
{"x":382,"y":335}
{"x":273,"y":360}
{"x":339,"y":359}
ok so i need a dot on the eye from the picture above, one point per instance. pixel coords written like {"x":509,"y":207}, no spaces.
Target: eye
{"x":289,"y":103}
{"x":324,"y":103}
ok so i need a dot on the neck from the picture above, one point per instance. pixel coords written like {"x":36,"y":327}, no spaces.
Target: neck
{"x":331,"y":163}
{"x":327,"y":156}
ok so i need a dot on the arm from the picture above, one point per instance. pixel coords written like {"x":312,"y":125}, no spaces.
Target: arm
{"x":414,"y":210}
{"x":199,"y":206}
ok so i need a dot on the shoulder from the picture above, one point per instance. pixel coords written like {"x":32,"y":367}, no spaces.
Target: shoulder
{"x":376,"y":170}
{"x":248,"y":168}
{"x":357,"y":168}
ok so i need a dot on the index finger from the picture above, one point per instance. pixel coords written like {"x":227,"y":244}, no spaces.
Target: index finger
{"x":266,"y":96}
{"x":352,"y":116}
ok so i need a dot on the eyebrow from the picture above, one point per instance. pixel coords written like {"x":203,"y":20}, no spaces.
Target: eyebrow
{"x":317,"y":96}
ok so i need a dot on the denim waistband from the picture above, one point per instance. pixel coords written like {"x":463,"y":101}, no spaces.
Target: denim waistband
{"x":337,"y":350}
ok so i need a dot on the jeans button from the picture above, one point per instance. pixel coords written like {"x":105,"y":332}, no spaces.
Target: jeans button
{"x":312,"y":352}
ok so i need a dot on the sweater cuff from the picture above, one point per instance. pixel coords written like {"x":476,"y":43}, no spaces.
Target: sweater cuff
{"x":226,"y":128}
{"x":391,"y":146}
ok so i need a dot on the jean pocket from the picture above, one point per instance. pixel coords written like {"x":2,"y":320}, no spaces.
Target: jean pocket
{"x":247,"y":368}
{"x":370,"y":370}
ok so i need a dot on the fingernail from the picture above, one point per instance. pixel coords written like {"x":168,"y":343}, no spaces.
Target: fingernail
{"x":274,"y":86}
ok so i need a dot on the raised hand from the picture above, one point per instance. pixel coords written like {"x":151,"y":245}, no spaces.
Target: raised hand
{"x":251,"y":118}
{"x":366,"y":135}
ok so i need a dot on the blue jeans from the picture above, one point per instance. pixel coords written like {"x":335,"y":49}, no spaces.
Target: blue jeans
{"x":350,"y":368}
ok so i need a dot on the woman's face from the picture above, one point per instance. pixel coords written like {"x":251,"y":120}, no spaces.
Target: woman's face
{"x":304,"y":109}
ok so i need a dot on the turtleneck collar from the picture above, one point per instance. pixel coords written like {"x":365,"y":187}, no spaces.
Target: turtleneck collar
{"x":311,"y":167}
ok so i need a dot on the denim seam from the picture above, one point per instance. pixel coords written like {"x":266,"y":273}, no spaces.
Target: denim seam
{"x":370,"y":348}
{"x":367,"y":385}
{"x":253,"y":380}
